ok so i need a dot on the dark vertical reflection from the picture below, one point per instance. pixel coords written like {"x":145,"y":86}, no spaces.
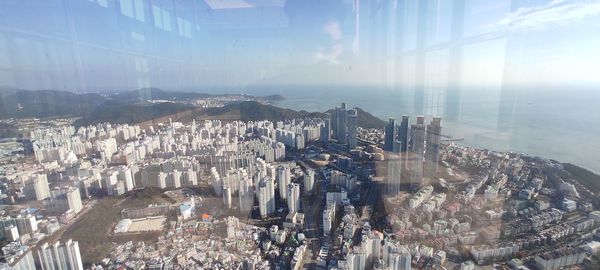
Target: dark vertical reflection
{"x":513,"y":57}
{"x":419,"y":96}
{"x":452,"y":109}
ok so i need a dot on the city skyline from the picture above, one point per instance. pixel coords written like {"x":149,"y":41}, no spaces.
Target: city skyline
{"x":252,"y":134}
{"x":294,"y":192}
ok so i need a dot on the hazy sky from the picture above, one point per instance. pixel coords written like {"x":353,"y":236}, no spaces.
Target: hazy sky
{"x":114,"y":44}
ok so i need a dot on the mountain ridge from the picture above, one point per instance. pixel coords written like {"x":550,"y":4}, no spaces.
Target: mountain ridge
{"x":117,"y":112}
{"x":153,"y":93}
{"x":18,"y":103}
{"x":48,"y":103}
{"x":254,"y":111}
{"x":135,"y":106}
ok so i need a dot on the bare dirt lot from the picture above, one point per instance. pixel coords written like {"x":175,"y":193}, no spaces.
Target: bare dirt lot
{"x":94,"y":229}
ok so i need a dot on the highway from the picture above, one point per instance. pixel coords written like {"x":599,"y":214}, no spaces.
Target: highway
{"x":313,"y":205}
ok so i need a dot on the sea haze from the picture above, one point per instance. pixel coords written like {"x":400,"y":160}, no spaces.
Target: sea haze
{"x":561,"y":124}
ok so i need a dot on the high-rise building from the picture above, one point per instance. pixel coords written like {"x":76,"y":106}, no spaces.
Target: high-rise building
{"x":397,"y":146}
{"x":326,"y":129}
{"x":60,"y":256}
{"x":352,"y":121}
{"x":26,"y":224}
{"x":300,"y":141}
{"x":37,"y":187}
{"x":345,"y":126}
{"x":246,"y":194}
{"x":397,"y":257}
{"x":371,"y":244}
{"x":328,"y":217}
{"x":266,"y":196}
{"x":309,"y":180}
{"x":190,"y":177}
{"x":432,"y":151}
{"x":390,"y":135}
{"x":293,"y":197}
{"x":11,"y":233}
{"x":394,"y":173}
{"x":74,"y":199}
{"x":403,"y":133}
{"x":417,"y":149}
{"x":404,"y":261}
{"x":283,"y":179}
{"x":153,"y":176}
{"x":344,"y":180}
{"x":65,"y":199}
{"x":227,"y":196}
{"x":335,"y":123}
{"x":125,"y":175}
{"x":17,"y":256}
{"x":340,"y":120}
{"x":359,"y":260}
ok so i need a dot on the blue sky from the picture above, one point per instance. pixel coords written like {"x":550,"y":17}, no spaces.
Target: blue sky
{"x":99,"y":45}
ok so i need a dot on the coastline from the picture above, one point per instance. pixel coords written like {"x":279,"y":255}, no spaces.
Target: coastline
{"x":537,"y":129}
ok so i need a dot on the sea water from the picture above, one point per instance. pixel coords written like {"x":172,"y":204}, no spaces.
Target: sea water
{"x":559,"y":123}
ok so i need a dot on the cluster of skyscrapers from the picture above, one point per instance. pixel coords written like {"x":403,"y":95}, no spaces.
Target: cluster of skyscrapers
{"x":341,"y":125}
{"x":415,"y":149}
{"x":288,"y":191}
{"x":396,"y":136}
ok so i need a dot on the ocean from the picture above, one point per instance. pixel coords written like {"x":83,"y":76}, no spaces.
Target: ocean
{"x":560,"y":124}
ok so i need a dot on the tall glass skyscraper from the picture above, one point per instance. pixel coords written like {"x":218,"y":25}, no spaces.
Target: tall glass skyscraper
{"x":403,"y":133}
{"x":390,"y":134}
{"x":432,"y":150}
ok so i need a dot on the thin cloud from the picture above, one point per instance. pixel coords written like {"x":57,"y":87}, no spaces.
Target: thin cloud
{"x":557,"y":12}
{"x":333,"y":29}
{"x":331,"y":55}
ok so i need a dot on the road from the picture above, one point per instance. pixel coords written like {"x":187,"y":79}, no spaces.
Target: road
{"x":312,"y":218}
{"x":314,"y":205}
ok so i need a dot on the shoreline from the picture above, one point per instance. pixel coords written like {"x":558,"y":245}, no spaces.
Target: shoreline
{"x":489,"y":138}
